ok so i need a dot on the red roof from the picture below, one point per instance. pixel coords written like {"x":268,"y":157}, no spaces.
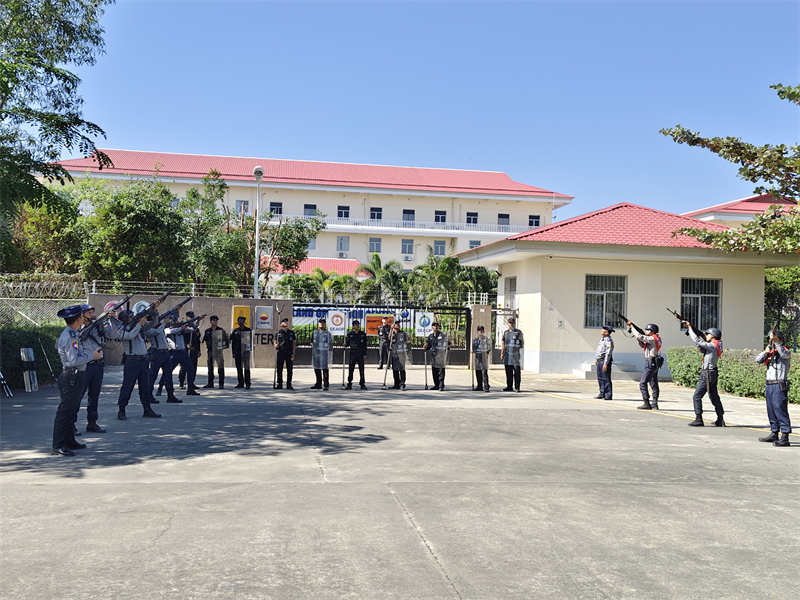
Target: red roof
{"x":340,"y":265}
{"x":196,"y":166}
{"x":624,"y":224}
{"x":750,"y":205}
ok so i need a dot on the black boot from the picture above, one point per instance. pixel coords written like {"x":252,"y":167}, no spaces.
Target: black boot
{"x":94,"y":428}
{"x":784,"y":441}
{"x":149,"y":413}
{"x":720,"y":422}
{"x":192,"y":392}
{"x":172,"y":398}
{"x":121,"y":414}
{"x":772,"y":437}
{"x":698,"y":421}
{"x":645,"y":406}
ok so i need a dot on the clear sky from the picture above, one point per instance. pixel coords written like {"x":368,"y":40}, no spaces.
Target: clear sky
{"x":568,"y":96}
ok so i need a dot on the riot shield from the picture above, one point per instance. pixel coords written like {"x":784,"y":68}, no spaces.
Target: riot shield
{"x":218,"y":343}
{"x":440,"y":353}
{"x":401,"y":351}
{"x":246,"y":347}
{"x":321,"y":350}
{"x":513,"y":341}
{"x":482,"y":353}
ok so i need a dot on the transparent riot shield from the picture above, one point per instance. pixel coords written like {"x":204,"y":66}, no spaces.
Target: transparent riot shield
{"x":513,"y":341}
{"x":440,"y":352}
{"x":482,"y":352}
{"x":401,"y":351}
{"x":218,"y":343}
{"x":246,"y":347}
{"x":322,"y":350}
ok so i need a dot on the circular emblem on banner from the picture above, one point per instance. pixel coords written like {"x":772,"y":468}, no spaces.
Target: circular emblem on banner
{"x":424,"y":321}
{"x":109,"y":306}
{"x":337,"y":320}
{"x":140,"y":306}
{"x":405,"y":314}
{"x":263,"y":317}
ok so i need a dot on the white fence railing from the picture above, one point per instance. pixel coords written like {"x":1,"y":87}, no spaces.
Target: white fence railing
{"x":414,"y":225}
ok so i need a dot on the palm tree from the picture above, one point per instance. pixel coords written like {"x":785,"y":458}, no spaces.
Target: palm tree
{"x":385,"y":283}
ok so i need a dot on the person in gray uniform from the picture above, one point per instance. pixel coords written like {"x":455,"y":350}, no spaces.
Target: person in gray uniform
{"x":439,"y":345}
{"x":511,"y":355}
{"x":711,"y":347}
{"x":136,"y":371}
{"x":603,"y":359}
{"x":778,"y":359}
{"x":70,"y":380}
{"x":191,"y":336}
{"x":400,"y":356}
{"x":179,"y":355}
{"x":650,"y":342}
{"x":321,"y":355}
{"x":216,"y":340}
{"x":160,"y":356}
{"x":481,"y":347}
{"x":93,"y":377}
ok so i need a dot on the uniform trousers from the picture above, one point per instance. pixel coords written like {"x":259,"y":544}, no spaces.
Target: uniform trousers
{"x":183,"y":371}
{"x":71,"y":391}
{"x":287,"y":360}
{"x":162,"y":360}
{"x":384,"y":350}
{"x":180,"y":357}
{"x":707,"y":383}
{"x":482,"y":376}
{"x":322,"y":377}
{"x":220,"y":362}
{"x":649,"y":375}
{"x":92,"y":382}
{"x":604,"y":380}
{"x":356,"y":360}
{"x":778,"y":408}
{"x":438,"y":377}
{"x":513,"y":376}
{"x":242,"y":369}
{"x":399,"y":377}
{"x":135,"y":372}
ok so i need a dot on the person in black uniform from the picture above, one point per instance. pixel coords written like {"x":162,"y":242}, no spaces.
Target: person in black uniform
{"x":191,"y":337}
{"x":285,"y":345}
{"x":241,"y":355}
{"x":214,"y":350}
{"x":384,"y":332}
{"x":357,"y":342}
{"x":439,"y":346}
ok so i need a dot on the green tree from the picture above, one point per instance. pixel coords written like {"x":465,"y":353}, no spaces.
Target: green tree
{"x":202,"y":231}
{"x":50,"y":237}
{"x":384,"y":283}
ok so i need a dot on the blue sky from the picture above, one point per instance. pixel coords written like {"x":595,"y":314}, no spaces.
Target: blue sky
{"x":567,"y":96}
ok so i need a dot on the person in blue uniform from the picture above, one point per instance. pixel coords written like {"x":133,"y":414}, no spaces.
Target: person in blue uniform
{"x":136,"y":371}
{"x":778,"y":359}
{"x":711,"y":347}
{"x":161,"y":359}
{"x":93,"y":377}
{"x":603,"y":359}
{"x":70,"y":380}
{"x":356,"y":340}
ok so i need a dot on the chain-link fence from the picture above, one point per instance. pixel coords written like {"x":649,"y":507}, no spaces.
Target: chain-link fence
{"x":34,"y":311}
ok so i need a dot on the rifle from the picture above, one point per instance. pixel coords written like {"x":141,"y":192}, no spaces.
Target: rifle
{"x":190,"y":321}
{"x":773,"y":344}
{"x":683,"y":320}
{"x":638,"y":329}
{"x":175,"y":310}
{"x":147,"y":312}
{"x":101,"y":319}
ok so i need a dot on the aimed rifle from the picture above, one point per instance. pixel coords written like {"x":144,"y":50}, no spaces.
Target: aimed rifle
{"x":683,"y":320}
{"x":190,"y":321}
{"x":772,"y":339}
{"x":175,"y":310}
{"x":638,"y":329}
{"x":147,"y":312}
{"x":102,"y":318}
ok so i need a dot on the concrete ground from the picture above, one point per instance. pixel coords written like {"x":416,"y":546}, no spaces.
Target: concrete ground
{"x":386,"y":494}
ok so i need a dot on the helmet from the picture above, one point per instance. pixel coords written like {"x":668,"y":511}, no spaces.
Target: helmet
{"x":715,"y":332}
{"x":652,"y":327}
{"x":126,"y":315}
{"x":779,"y":334}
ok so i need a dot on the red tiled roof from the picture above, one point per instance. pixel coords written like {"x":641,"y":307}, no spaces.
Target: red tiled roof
{"x":624,"y":224}
{"x":750,"y":205}
{"x":340,"y":265}
{"x":196,"y":166}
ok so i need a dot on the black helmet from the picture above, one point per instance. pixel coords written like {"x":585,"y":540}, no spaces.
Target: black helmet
{"x":779,"y":334}
{"x":652,"y":327}
{"x":715,"y":332}
{"x":126,"y":315}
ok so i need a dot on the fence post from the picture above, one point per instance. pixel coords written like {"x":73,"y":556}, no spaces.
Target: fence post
{"x":94,"y":286}
{"x":193,"y":289}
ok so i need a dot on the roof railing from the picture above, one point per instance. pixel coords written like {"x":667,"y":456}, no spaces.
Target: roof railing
{"x":415,"y":225}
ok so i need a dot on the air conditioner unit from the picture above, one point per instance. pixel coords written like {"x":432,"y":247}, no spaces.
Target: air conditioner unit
{"x":342,"y":255}
{"x":408,"y":258}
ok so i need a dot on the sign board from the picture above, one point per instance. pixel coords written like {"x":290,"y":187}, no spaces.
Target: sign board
{"x":337,"y":322}
{"x":240,"y":311}
{"x":264,"y":317}
{"x":375,"y":321}
{"x":422,"y":324}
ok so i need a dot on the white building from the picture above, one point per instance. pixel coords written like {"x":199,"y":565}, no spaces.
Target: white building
{"x":398,"y":212}
{"x":738,"y":212}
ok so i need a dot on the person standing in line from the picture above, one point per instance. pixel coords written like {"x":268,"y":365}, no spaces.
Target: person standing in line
{"x":384,"y":332}
{"x":191,"y":336}
{"x":481,"y":347}
{"x":778,"y":359}
{"x":216,"y":340}
{"x":439,"y":346}
{"x":70,"y":380}
{"x":400,"y":349}
{"x":711,"y":347}
{"x":135,"y":363}
{"x":511,"y":355}
{"x":356,"y":340}
{"x":240,"y":347}
{"x":285,"y":344}
{"x":179,"y":355}
{"x":650,"y":342}
{"x":161,"y":359}
{"x":93,"y":376}
{"x":603,"y":359}
{"x":322,"y":355}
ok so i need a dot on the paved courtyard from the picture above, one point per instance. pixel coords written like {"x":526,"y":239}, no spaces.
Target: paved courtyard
{"x":387,"y":494}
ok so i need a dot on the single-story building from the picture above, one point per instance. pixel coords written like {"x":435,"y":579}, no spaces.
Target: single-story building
{"x":568,"y":279}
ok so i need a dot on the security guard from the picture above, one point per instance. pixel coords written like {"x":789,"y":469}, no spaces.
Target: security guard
{"x":321,"y":355}
{"x":603,"y":358}
{"x":356,"y":340}
{"x":70,"y":380}
{"x":191,"y":336}
{"x":179,"y":354}
{"x":93,"y":377}
{"x":285,"y":343}
{"x":241,"y":353}
{"x":511,"y":355}
{"x":160,"y":357}
{"x":481,"y":347}
{"x":400,"y":356}
{"x":135,"y":366}
{"x":778,"y":359}
{"x":216,"y":340}
{"x":439,"y":345}
{"x":650,"y":342}
{"x":384,"y":332}
{"x":711,"y":347}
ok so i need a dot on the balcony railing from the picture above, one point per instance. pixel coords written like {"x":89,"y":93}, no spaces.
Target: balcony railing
{"x":417,"y":225}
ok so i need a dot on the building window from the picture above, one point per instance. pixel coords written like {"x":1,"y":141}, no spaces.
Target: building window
{"x":374,"y":244}
{"x":472,"y":218}
{"x":474,"y":244}
{"x":440,"y":216}
{"x":700,"y":302}
{"x":503,"y":219}
{"x":310,"y":210}
{"x":438,"y":247}
{"x":510,"y":289}
{"x":605,"y":297}
{"x":534,"y":221}
{"x":276,"y":208}
{"x":312,"y":244}
{"x":407,"y":247}
{"x":343,"y":243}
{"x":242,"y":206}
{"x":376,"y":214}
{"x":343,"y":212}
{"x":408,"y":214}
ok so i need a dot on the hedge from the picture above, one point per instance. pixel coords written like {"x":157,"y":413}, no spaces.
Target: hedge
{"x":739,"y":373}
{"x":14,"y":337}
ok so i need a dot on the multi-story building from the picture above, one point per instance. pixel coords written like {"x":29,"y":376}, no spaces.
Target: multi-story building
{"x":398,"y":212}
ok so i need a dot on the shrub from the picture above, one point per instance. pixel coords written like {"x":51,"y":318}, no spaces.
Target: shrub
{"x":14,"y":337}
{"x":738,"y":371}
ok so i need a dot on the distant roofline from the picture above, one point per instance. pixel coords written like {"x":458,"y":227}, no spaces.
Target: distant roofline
{"x":722,"y":205}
